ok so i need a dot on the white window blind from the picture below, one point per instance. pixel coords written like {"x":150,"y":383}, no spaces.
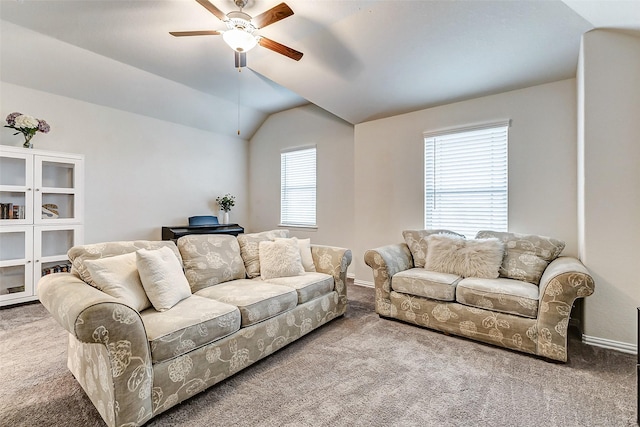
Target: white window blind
{"x":298,"y":187}
{"x":466,"y":179}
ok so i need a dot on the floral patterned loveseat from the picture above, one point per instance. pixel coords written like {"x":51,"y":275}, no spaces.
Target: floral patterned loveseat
{"x":135,"y":364}
{"x":525,"y":308}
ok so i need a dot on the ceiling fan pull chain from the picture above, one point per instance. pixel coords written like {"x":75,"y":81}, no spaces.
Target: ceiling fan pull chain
{"x":239,"y":71}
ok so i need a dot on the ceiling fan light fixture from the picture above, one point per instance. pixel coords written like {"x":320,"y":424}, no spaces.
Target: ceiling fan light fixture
{"x":239,"y":40}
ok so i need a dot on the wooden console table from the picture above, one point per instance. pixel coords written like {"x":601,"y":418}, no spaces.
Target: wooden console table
{"x":174,"y":233}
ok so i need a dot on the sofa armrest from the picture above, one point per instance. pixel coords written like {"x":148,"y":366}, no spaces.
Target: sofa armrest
{"x":564,"y":280}
{"x":95,"y":318}
{"x":386,"y":261}
{"x":334,"y":261}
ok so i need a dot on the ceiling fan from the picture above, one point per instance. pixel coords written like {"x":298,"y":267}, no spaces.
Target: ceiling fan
{"x":241,"y":34}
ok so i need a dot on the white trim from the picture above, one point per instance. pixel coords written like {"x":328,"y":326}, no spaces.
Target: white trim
{"x":298,"y":148}
{"x":351,"y":275}
{"x":363,"y":283}
{"x":460,"y":129}
{"x":306,"y":227}
{"x":610,"y":344}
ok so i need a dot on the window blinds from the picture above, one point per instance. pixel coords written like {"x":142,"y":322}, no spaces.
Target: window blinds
{"x":298,"y":187}
{"x":466,"y":188}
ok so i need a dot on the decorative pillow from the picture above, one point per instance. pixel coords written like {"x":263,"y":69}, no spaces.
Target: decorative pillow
{"x":467,"y":258}
{"x":78,"y":255}
{"x":305,"y":253}
{"x":249,"y":248}
{"x":162,"y":277}
{"x":416,"y":240}
{"x":280,"y":258}
{"x":526,"y":256}
{"x":118,"y":276}
{"x":210,"y":259}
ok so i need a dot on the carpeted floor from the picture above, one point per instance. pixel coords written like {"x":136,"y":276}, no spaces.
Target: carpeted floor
{"x":359,"y":370}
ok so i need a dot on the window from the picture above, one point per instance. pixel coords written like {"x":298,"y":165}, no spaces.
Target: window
{"x":298,"y":187}
{"x":466,"y":179}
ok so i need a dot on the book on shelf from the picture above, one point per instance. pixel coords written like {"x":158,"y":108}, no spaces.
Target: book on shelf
{"x":11,"y":211}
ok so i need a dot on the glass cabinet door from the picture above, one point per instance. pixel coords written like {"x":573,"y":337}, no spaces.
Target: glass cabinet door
{"x":16,"y":189}
{"x":51,"y":244}
{"x":57,"y":190}
{"x":16,"y":262}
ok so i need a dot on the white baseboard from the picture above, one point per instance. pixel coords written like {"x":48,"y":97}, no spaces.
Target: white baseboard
{"x":351,"y":275}
{"x":363,"y":283}
{"x":610,"y":344}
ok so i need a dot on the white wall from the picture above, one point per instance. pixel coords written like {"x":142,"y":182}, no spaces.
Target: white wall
{"x":609,"y":207}
{"x":333,"y":137}
{"x":140,"y":173}
{"x":389,"y":158}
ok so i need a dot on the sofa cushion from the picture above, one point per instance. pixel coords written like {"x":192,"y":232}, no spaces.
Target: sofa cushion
{"x":79,"y":254}
{"x":257,"y":300}
{"x":249,"y":248}
{"x":417,"y":243}
{"x":118,"y":276}
{"x":503,"y":295}
{"x":280,"y":258}
{"x":526,"y":256}
{"x":425,"y":283}
{"x":191,"y":323}
{"x":210,"y":259}
{"x":308,"y":286}
{"x":466,"y":258}
{"x":162,"y":277}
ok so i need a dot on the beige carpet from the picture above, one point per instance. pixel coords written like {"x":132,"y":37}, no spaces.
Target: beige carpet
{"x":359,"y":370}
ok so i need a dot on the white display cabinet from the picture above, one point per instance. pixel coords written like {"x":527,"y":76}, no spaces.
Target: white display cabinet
{"x":41,"y":217}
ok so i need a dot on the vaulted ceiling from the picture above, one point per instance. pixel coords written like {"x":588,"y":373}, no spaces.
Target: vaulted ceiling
{"x":363,"y":59}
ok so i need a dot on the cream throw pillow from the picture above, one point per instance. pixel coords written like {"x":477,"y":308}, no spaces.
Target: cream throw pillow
{"x":118,"y":276}
{"x":467,"y":258}
{"x":249,"y":249}
{"x":280,"y":258}
{"x":162,"y":277}
{"x":305,"y":252}
{"x":417,"y":242}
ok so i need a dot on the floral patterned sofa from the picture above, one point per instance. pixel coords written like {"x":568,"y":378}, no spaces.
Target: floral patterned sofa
{"x":135,"y":361}
{"x":524,"y":305}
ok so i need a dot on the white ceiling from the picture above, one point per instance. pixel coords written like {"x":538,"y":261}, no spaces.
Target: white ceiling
{"x":364,"y":59}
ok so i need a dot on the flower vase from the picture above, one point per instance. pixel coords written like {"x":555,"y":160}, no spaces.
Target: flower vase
{"x":225,"y":217}
{"x":27,"y":140}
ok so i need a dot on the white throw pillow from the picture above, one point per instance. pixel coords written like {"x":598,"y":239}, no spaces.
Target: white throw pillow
{"x":280,"y":259}
{"x":118,"y":276}
{"x":467,"y":258}
{"x":305,"y":252}
{"x":249,"y":246}
{"x":162,"y":277}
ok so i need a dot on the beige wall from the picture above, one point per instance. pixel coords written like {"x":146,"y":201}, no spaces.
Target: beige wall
{"x":609,"y":198}
{"x":333,"y":137}
{"x":389,"y":156}
{"x":140,"y":173}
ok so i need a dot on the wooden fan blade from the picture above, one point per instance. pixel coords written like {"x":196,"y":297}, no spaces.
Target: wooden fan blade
{"x":211,"y":8}
{"x":272,"y":15}
{"x":280,"y":48}
{"x":195,"y":33}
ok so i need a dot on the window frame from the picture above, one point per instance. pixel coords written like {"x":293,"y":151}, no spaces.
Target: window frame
{"x":283,"y":190}
{"x":430,"y":192}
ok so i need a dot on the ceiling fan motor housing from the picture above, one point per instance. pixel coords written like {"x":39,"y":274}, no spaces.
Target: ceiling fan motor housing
{"x":240,"y":21}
